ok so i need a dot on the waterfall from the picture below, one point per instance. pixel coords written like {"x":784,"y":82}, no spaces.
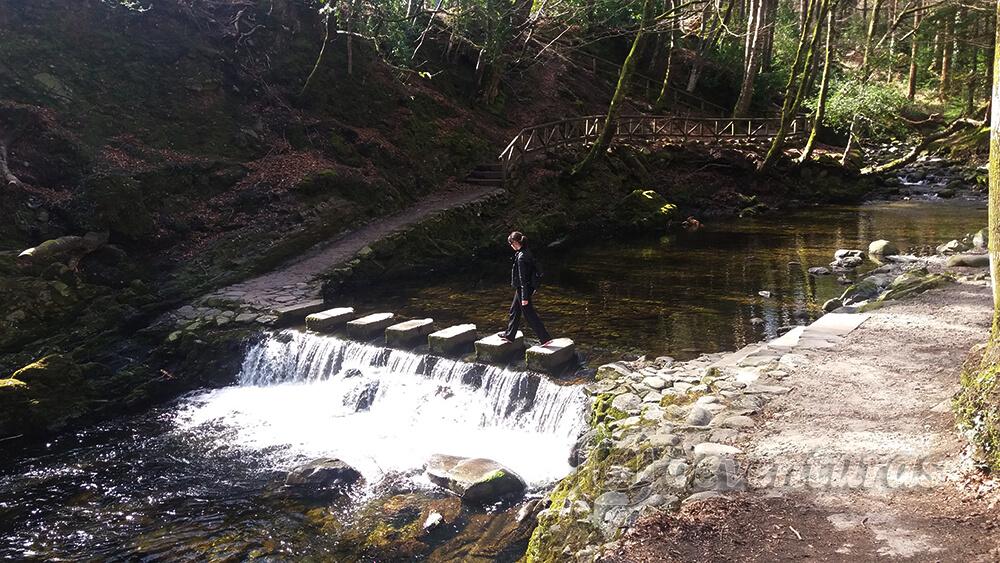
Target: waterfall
{"x":303,"y":395}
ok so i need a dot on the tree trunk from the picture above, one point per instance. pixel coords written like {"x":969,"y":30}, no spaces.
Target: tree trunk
{"x":751,"y":57}
{"x":624,"y":78}
{"x":911,"y":82}
{"x":661,"y":100}
{"x":823,"y":88}
{"x":994,"y":180}
{"x":794,"y":90}
{"x":870,"y":36}
{"x":947,"y":50}
{"x":699,"y":62}
{"x":890,"y":76}
{"x":973,"y":81}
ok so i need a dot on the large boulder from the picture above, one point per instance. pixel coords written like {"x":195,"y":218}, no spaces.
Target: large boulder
{"x":644,"y":209}
{"x":476,"y":480}
{"x":322,"y":476}
{"x":882,"y":248}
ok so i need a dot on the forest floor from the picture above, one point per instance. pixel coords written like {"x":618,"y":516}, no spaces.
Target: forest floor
{"x":861,"y":461}
{"x":297,"y":279}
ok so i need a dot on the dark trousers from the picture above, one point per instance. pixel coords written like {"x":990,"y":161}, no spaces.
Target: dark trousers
{"x":530,"y":315}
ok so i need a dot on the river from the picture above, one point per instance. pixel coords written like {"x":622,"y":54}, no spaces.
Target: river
{"x":201,"y":477}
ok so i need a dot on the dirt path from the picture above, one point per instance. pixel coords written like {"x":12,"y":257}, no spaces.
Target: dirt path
{"x":860,"y":459}
{"x":296,"y":280}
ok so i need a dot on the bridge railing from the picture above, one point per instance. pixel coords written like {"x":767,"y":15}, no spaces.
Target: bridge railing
{"x":645,"y":128}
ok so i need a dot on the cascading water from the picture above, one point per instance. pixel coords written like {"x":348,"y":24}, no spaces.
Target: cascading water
{"x":303,"y":395}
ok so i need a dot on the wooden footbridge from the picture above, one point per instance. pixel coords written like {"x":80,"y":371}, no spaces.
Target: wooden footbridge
{"x":644,"y":130}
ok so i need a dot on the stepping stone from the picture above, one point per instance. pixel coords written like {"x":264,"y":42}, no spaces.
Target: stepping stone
{"x":409,"y":333}
{"x":494,"y":349}
{"x":552,"y":357}
{"x":367,"y":327}
{"x":297,"y":312}
{"x":452,"y":340}
{"x":329,"y":320}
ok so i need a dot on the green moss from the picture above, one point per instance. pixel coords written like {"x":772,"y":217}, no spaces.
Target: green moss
{"x":977,"y":410}
{"x":556,"y":531}
{"x":602,"y":412}
{"x":498,"y":474}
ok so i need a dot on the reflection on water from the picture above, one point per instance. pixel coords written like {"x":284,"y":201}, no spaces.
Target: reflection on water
{"x":687,"y":293}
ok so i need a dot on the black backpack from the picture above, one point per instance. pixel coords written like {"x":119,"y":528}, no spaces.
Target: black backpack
{"x":536,"y":274}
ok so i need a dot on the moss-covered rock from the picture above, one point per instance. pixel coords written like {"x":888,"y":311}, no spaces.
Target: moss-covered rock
{"x":47,"y":395}
{"x":645,"y":210}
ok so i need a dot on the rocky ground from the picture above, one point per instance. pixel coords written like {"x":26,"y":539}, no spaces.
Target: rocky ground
{"x":835,"y":441}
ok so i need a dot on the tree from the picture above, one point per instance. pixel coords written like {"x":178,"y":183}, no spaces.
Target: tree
{"x":752,"y":54}
{"x":994,"y":183}
{"x":824,"y":88}
{"x":600,"y":145}
{"x":798,"y":77}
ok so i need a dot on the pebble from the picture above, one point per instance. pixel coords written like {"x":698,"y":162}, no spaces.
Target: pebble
{"x":699,"y":417}
{"x":654,"y":382}
{"x":715,"y":449}
{"x":738,"y":421}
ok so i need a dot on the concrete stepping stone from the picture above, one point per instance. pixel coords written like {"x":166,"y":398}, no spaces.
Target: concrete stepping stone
{"x":550,"y":358}
{"x":367,"y":327}
{"x":409,"y":333}
{"x":494,"y":350}
{"x":330,"y":319}
{"x":452,"y":340}
{"x":296,"y":312}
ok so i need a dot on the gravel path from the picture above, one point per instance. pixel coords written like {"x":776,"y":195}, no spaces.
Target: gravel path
{"x":861,"y":460}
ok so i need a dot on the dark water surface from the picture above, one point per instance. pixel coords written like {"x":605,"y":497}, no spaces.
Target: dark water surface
{"x":689,"y":293}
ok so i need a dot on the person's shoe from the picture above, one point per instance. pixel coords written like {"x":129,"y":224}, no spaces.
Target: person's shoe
{"x":549,"y":341}
{"x":503,"y":336}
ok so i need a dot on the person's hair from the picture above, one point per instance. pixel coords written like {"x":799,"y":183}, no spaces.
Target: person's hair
{"x":517,"y":237}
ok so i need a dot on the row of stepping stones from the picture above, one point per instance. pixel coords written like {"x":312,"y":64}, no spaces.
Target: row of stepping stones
{"x":451,"y":341}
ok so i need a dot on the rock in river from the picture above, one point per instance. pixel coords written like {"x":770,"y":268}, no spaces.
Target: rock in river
{"x":323,"y":475}
{"x":881,"y":248}
{"x":476,"y":480}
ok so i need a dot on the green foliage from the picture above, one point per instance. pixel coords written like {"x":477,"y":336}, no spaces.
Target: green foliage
{"x":875,"y":105}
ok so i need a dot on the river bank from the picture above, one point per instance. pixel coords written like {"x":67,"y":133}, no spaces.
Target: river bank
{"x":837,"y":442}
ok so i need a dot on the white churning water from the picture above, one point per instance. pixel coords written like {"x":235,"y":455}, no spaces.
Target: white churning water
{"x":303,"y":395}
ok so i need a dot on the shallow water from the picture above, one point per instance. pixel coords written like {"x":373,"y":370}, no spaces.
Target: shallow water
{"x":688,"y":293}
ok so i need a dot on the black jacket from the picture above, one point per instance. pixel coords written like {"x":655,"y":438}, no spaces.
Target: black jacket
{"x":522,"y":273}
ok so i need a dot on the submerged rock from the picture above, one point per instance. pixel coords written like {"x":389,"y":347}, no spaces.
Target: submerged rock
{"x":323,"y":475}
{"x":476,"y":480}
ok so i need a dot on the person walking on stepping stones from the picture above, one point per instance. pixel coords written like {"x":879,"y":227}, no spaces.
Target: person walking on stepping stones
{"x":524,"y":278}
